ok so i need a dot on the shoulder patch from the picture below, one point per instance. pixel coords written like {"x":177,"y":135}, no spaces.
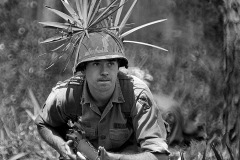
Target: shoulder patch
{"x":76,"y":80}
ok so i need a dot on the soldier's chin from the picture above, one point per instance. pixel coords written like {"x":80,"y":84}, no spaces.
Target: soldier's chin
{"x":104,"y":86}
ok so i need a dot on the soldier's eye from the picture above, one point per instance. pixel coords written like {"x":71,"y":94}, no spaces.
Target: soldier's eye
{"x":111,"y":63}
{"x":95,"y":64}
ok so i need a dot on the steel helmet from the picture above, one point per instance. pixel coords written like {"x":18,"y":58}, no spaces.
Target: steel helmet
{"x":99,"y":46}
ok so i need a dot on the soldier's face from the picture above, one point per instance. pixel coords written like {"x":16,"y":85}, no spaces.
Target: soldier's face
{"x":101,"y":75}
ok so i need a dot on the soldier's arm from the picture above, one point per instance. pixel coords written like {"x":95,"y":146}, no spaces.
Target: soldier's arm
{"x":51,"y":124}
{"x":139,"y":156}
{"x":52,"y":137}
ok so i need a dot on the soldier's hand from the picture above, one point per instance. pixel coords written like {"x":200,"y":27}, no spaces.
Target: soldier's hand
{"x":71,"y":154}
{"x":104,"y":155}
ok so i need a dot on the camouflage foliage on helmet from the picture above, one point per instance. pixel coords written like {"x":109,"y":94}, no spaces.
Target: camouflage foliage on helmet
{"x":86,"y":20}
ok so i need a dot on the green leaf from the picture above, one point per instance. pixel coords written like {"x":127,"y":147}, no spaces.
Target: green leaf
{"x":55,"y":39}
{"x":57,"y":25}
{"x":90,"y":11}
{"x":118,"y":15}
{"x":72,"y":12}
{"x":61,"y":14}
{"x":78,"y":49}
{"x":105,"y":16}
{"x":95,"y":11}
{"x":85,"y":11}
{"x":58,"y":47}
{"x":146,"y":44}
{"x":108,"y":8}
{"x":79,"y":9}
{"x":127,"y":16}
{"x":142,"y":26}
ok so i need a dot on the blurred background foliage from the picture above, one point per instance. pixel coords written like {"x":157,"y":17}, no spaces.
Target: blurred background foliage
{"x":200,"y":69}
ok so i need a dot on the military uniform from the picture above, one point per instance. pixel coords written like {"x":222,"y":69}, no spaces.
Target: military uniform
{"x":119,"y":125}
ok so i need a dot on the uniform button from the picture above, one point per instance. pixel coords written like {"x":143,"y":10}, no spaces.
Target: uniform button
{"x":102,"y":137}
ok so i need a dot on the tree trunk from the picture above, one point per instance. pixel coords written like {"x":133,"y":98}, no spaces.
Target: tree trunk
{"x":232,"y":73}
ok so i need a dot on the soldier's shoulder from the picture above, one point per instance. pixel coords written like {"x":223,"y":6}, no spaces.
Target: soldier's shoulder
{"x":77,"y":80}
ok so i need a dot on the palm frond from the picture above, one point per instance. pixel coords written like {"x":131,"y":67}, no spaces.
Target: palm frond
{"x":59,"y":47}
{"x":78,"y":49}
{"x":127,"y":16}
{"x":85,"y":10}
{"x":95,"y":11}
{"x":72,"y":12}
{"x":55,"y":39}
{"x":146,"y":44}
{"x":90,"y":11}
{"x":106,"y":16}
{"x":118,"y":15}
{"x":58,"y":25}
{"x":79,"y":10}
{"x":106,"y":10}
{"x":61,"y":14}
{"x":140,"y":27}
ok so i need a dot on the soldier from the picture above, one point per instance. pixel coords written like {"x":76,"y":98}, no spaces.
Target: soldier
{"x":116,"y":111}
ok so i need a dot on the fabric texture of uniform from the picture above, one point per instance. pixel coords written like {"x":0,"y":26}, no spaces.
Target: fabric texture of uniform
{"x":111,"y":128}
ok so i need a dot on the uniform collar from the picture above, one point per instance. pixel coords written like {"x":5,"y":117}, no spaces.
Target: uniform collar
{"x":117,"y":96}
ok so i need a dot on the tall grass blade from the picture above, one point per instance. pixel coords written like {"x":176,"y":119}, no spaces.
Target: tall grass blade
{"x":204,"y":153}
{"x":146,"y":44}
{"x":7,"y":131}
{"x":61,"y":14}
{"x":2,"y":136}
{"x":142,"y":26}
{"x":30,"y":114}
{"x":217,"y":155}
{"x":18,"y":156}
{"x":36,"y":106}
{"x":127,"y":16}
{"x":230,"y":152}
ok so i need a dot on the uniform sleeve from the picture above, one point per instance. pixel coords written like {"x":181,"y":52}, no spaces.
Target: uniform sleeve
{"x":148,"y":124}
{"x":52,"y":111}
